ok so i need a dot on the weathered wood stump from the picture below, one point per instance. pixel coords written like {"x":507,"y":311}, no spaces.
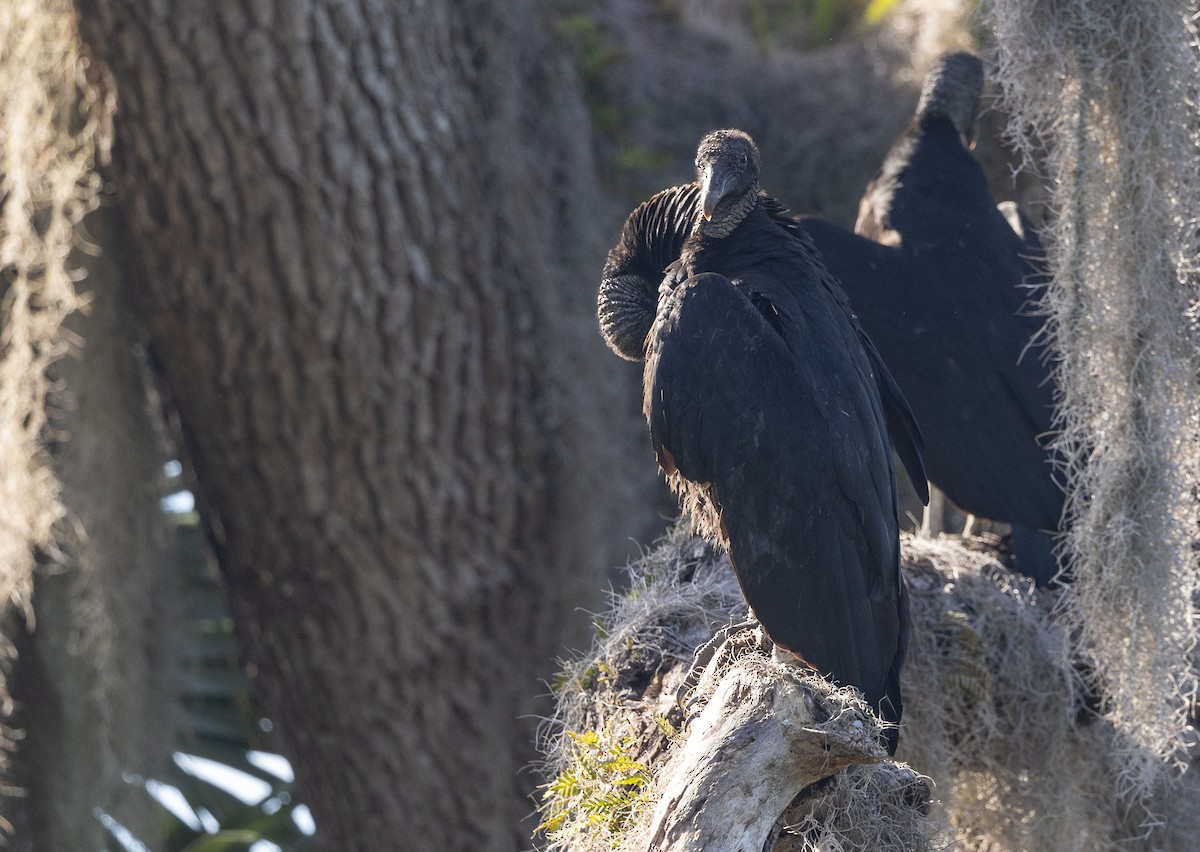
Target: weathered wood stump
{"x":768,"y":732}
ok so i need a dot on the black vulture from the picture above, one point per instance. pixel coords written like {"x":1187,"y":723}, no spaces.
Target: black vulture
{"x":766,"y":406}
{"x":652,"y":239}
{"x":943,"y":280}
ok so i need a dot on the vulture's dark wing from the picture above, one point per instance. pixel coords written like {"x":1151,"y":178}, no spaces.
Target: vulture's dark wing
{"x":952,"y":325}
{"x":902,"y":425}
{"x":650,"y":241}
{"x":926,"y":178}
{"x":875,"y":206}
{"x":790,"y":445}
{"x":969,"y":272}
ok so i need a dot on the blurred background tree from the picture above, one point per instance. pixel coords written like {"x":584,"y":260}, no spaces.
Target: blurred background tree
{"x":345,"y":270}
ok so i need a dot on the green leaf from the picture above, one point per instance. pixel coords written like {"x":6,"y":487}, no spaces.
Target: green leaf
{"x":206,"y":604}
{"x":234,"y":756}
{"x":577,"y":24}
{"x":224,"y":841}
{"x":213,"y":682}
{"x":664,"y":725}
{"x":210,"y":648}
{"x":280,"y":826}
{"x":220,"y":722}
{"x":224,"y":724}
{"x":825,"y":19}
{"x":876,"y":11}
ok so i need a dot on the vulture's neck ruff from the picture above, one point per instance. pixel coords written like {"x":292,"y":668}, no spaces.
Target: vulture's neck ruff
{"x":727,"y":170}
{"x":727,"y":217}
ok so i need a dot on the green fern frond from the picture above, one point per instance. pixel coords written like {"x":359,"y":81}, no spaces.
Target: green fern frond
{"x":664,"y":725}
{"x":601,"y":786}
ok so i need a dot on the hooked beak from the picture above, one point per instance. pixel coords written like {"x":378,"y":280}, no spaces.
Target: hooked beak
{"x":713,"y":187}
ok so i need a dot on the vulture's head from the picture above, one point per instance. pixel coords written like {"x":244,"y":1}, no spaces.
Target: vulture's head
{"x":727,"y":168}
{"x":952,"y":89}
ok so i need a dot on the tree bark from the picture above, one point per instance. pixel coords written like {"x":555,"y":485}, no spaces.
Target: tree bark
{"x":358,"y":220}
{"x":93,"y":679}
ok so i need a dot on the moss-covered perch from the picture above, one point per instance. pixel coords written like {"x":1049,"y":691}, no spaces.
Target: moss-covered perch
{"x":764,"y":720}
{"x":651,"y":750}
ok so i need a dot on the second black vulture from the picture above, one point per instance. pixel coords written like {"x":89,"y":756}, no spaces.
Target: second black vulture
{"x":942,"y":280}
{"x":769,"y":410}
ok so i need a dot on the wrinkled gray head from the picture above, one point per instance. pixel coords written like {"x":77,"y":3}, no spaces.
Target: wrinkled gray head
{"x":952,"y":89}
{"x":727,"y":169}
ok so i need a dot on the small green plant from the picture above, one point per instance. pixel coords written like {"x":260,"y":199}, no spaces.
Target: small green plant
{"x":633,"y":157}
{"x":969,"y":673}
{"x":820,"y":21}
{"x":668,"y":729}
{"x":876,"y":10}
{"x":597,"y":49}
{"x":601,"y":786}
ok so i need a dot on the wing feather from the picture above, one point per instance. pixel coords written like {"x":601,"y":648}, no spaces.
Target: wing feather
{"x":792,"y":457}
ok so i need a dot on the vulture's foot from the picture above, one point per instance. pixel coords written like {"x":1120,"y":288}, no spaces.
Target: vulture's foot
{"x":715,"y":655}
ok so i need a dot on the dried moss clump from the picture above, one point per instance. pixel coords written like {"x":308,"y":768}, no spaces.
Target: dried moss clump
{"x":997,"y":717}
{"x":1111,"y":90}
{"x":49,"y":117}
{"x":999,"y":713}
{"x":629,"y":702}
{"x":864,"y":807}
{"x":623,"y":696}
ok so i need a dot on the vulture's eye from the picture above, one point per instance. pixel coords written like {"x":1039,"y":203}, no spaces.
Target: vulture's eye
{"x":742,"y":158}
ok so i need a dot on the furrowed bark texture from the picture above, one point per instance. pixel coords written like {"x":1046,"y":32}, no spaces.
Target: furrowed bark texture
{"x":93,"y":679}
{"x":358,"y":226}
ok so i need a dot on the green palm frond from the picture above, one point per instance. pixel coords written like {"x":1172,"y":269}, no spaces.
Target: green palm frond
{"x":219,"y":722}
